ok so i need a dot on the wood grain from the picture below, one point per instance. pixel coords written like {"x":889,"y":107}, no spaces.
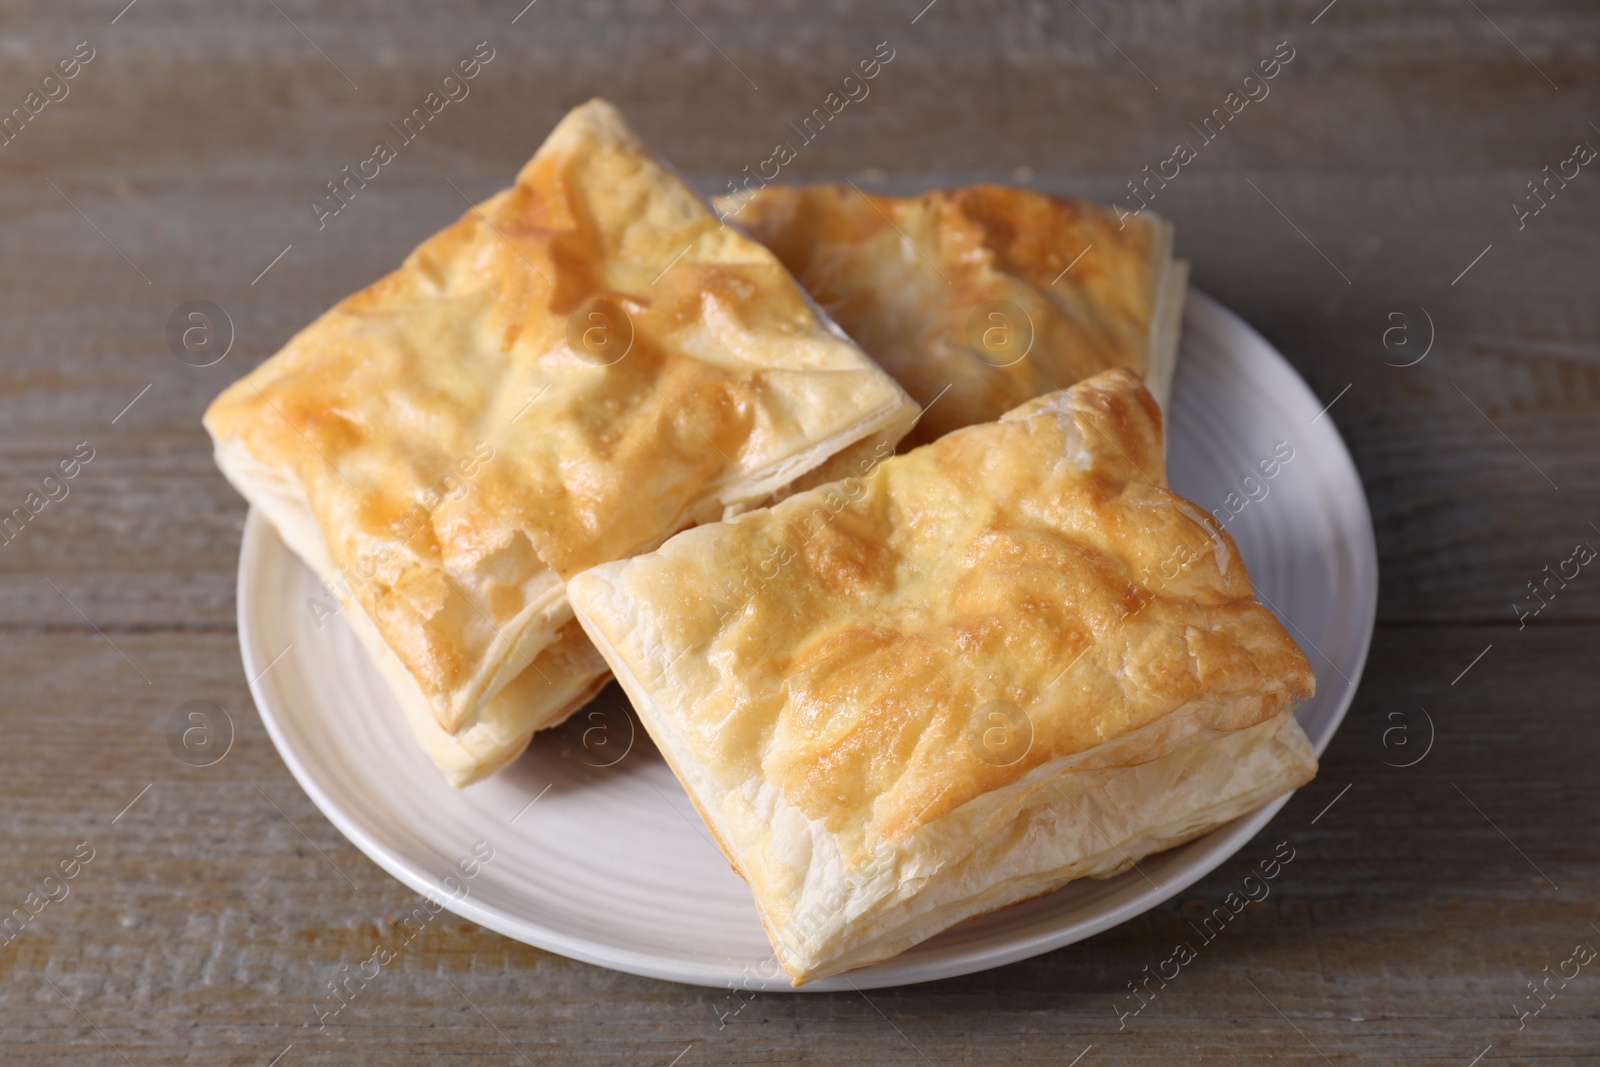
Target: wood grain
{"x":1383,"y":161}
{"x":1403,"y":929}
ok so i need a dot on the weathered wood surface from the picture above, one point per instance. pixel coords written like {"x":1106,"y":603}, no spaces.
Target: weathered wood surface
{"x":1395,"y":140}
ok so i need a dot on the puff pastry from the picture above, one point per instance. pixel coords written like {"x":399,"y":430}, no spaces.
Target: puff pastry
{"x":580,"y":366}
{"x":965,"y":295}
{"x":884,"y":695}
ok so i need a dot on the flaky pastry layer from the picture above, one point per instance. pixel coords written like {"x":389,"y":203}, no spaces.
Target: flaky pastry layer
{"x":560,"y":678}
{"x":981,"y":297}
{"x":580,"y":366}
{"x":837,"y":677}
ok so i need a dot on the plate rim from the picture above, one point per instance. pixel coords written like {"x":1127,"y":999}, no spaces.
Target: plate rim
{"x":1225,"y":841}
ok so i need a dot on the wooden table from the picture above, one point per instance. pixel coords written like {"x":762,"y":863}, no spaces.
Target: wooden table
{"x":1361,"y":208}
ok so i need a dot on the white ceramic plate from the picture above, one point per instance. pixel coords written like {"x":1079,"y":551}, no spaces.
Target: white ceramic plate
{"x":610,"y":864}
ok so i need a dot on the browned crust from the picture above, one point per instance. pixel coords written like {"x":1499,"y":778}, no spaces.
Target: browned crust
{"x":922,"y":316}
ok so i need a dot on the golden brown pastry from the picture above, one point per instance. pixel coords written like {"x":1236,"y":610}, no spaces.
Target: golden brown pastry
{"x":885,"y":694}
{"x":580,"y":366}
{"x":966,"y":296}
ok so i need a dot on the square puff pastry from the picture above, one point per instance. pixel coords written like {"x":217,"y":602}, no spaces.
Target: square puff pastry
{"x":968,"y":290}
{"x":999,"y":662}
{"x":582,"y":365}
